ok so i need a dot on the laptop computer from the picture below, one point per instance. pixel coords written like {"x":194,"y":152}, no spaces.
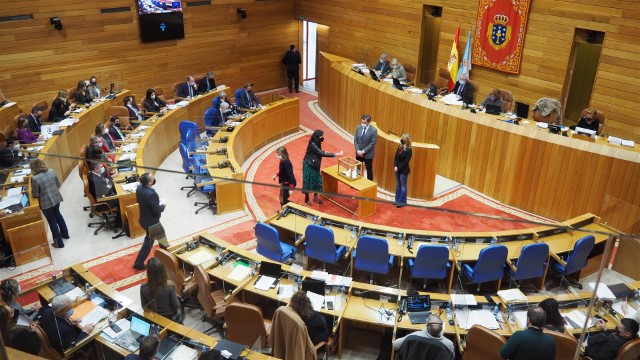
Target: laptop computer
{"x":397,"y":84}
{"x":522,"y":110}
{"x":314,"y":286}
{"x":418,"y":308}
{"x":373,"y":74}
{"x":24,"y":201}
{"x":166,"y":346}
{"x":493,"y":109}
{"x":130,"y":340}
{"x":270,"y":269}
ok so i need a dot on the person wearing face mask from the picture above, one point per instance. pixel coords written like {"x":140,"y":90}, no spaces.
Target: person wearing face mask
{"x":311,"y":178}
{"x":247,"y":99}
{"x":433,"y":330}
{"x":493,"y":99}
{"x":95,"y":152}
{"x":397,"y":71}
{"x":464,"y":89}
{"x":45,"y":186}
{"x":9,"y":153}
{"x":207,"y":83}
{"x":134,"y":112}
{"x":102,"y":186}
{"x":401,"y":168}
{"x":10,"y":289}
{"x":364,"y":141}
{"x":187,"y":90}
{"x":286,"y":178}
{"x":94,"y":88}
{"x":383,"y":65}
{"x":532,"y":343}
{"x":114,"y":129}
{"x":151,"y":208}
{"x":152,"y":103}
{"x":605,"y":345}
{"x":35,"y":122}
{"x":590,"y":120}
{"x":60,"y":107}
{"x":108,"y":143}
{"x":82,"y":93}
{"x":61,"y":330}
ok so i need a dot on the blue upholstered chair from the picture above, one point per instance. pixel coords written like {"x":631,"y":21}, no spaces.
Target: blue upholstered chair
{"x":489,"y":267}
{"x":576,"y":261}
{"x":204,"y":184}
{"x":183,"y":127}
{"x":372,"y":255}
{"x":320,"y":245}
{"x":431,"y":262}
{"x":531,"y":264}
{"x":270,"y":246}
{"x":187,"y":168}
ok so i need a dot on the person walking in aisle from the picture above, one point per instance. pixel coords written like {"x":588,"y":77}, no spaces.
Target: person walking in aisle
{"x":292,"y":61}
{"x":401,"y":169}
{"x":365,"y":143}
{"x":45,"y":186}
{"x":311,"y":178}
{"x":286,"y":178}
{"x":151,"y":208}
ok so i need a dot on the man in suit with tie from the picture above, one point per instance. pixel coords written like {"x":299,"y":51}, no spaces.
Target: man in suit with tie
{"x":292,"y":61}
{"x":383,"y":65}
{"x":134,"y":112}
{"x":188,"y":89}
{"x":248,"y":99}
{"x":464,"y":89}
{"x":365,"y":143}
{"x":35,"y":125}
{"x":151,"y":209}
{"x":220,"y":116}
{"x":207,"y":83}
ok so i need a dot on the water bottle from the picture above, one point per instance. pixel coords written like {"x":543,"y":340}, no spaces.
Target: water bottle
{"x":455,"y":244}
{"x":354,"y":232}
{"x":87,"y":290}
{"x":449,"y":314}
{"x":497,"y":314}
{"x":299,"y":282}
{"x":636,"y":297}
{"x":510,"y":314}
{"x":400,"y":237}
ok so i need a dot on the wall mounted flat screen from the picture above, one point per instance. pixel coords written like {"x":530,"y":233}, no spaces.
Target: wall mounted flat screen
{"x":160,"y":20}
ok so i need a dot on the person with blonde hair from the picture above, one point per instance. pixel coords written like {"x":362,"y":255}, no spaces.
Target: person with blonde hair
{"x":397,"y":70}
{"x":286,"y":178}
{"x":590,"y":120}
{"x":60,"y":106}
{"x":401,"y":169}
{"x":45,"y":187}
{"x":316,"y":323}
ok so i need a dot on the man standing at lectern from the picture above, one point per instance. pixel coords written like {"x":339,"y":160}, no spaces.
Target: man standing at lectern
{"x":365,"y":143}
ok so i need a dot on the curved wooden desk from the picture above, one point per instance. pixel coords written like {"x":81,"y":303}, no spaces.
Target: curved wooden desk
{"x":7,"y":114}
{"x":522,"y":166}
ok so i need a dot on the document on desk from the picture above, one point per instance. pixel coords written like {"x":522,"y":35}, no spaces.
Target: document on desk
{"x":130,"y":187}
{"x":17,"y":179}
{"x":337,"y":280}
{"x":521,"y":316}
{"x":10,"y":201}
{"x":316,"y":300}
{"x":200,"y":256}
{"x":296,"y":269}
{"x":603,"y":291}
{"x":128,"y":156}
{"x":464,"y":299}
{"x":617,"y":306}
{"x":285,"y":292}
{"x":451,"y":99}
{"x":319,"y":275}
{"x":23,"y":320}
{"x":576,"y":319}
{"x":240,"y":272}
{"x":265,"y":282}
{"x":75,"y":293}
{"x":512,"y":295}
{"x":22,"y":172}
{"x":89,"y":313}
{"x":14,"y":191}
{"x":183,"y":352}
{"x":466,"y":319}
{"x":123,"y":324}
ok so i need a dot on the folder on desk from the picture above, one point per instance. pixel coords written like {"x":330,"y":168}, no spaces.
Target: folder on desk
{"x":89,"y":313}
{"x":234,"y":348}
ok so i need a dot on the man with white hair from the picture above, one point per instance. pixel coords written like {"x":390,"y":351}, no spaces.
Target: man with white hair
{"x":383,"y":65}
{"x":62,"y":331}
{"x":464,"y":89}
{"x":434,"y":331}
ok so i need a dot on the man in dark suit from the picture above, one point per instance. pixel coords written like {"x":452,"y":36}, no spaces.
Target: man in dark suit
{"x":102,"y":186}
{"x":383,"y":65}
{"x":365,"y":143}
{"x":247,"y":99}
{"x":151,"y":209}
{"x":220,"y":115}
{"x":464,"y":89}
{"x":207,"y":83}
{"x":188,"y":89}
{"x":35,"y":124}
{"x":62,"y":331}
{"x":292,"y":61}
{"x":134,"y":112}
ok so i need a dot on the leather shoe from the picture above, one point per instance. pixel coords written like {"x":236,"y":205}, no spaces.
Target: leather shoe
{"x":56,"y":246}
{"x":308,"y":202}
{"x":144,"y":267}
{"x":66,"y":237}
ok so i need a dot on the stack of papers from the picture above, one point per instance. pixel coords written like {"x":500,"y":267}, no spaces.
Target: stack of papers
{"x":89,"y":313}
{"x":285,"y":292}
{"x":463,"y":300}
{"x":10,"y":201}
{"x":265,"y":282}
{"x":319,"y":275}
{"x":451,"y":99}
{"x":240,"y":272}
{"x":137,"y":135}
{"x":130,"y":187}
{"x":521,"y":317}
{"x":619,"y":141}
{"x":75,"y":293}
{"x":128,"y":156}
{"x":317,"y":300}
{"x":603,"y":292}
{"x":200,"y":257}
{"x":22,"y":172}
{"x":123,"y":324}
{"x":67,"y":122}
{"x":296,"y":269}
{"x":575,"y":319}
{"x":476,"y":317}
{"x":542,"y":125}
{"x":337,"y":280}
{"x":130,"y":147}
{"x":183,"y":103}
{"x":512,"y":295}
{"x":183,"y":352}
{"x":17,"y":179}
{"x":14,"y":191}
{"x":414,"y":90}
{"x":350,"y":174}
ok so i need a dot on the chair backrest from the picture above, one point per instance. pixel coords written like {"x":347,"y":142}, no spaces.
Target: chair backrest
{"x":416,"y":347}
{"x":83,"y":168}
{"x":123,"y":115}
{"x":46,"y":345}
{"x":160,"y":93}
{"x":205,"y":299}
{"x":490,"y":264}
{"x":170,"y":263}
{"x":580,"y":254}
{"x":44,"y":105}
{"x":321,"y":243}
{"x":244,"y":323}
{"x":6,"y":317}
{"x":268,"y":242}
{"x":372,"y":254}
{"x":87,"y":190}
{"x":566,"y":344}
{"x":531,"y":263}
{"x":237,"y":94}
{"x":483,"y":344}
{"x":208,"y":116}
{"x":286,"y":330}
{"x":507,"y":100}
{"x":175,"y":88}
{"x":183,"y":127}
{"x":411,"y":72}
{"x":72,"y":93}
{"x":184,"y":154}
{"x":443,"y":78}
{"x":476,"y":88}
{"x":431,"y":262}
{"x":630,"y":350}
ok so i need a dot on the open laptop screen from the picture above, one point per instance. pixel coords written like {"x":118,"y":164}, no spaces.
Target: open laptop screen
{"x":270,"y":269}
{"x":418,"y":303}
{"x":139,"y":326}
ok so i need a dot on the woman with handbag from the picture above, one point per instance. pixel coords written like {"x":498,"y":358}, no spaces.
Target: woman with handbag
{"x":311,"y":179}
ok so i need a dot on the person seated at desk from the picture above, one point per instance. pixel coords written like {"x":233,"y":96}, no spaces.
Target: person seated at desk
{"x":383,"y":65}
{"x":60,"y":107}
{"x":24,"y":339}
{"x":134,"y":112}
{"x":9,"y":153}
{"x":113,"y":125}
{"x":433,"y":330}
{"x":35,"y":124}
{"x":589,"y":121}
{"x":82,"y":93}
{"x":207,"y":83}
{"x":219,"y":117}
{"x":218,"y":100}
{"x":553,"y":320}
{"x":95,"y":153}
{"x":492,"y":99}
{"x":94,"y":88}
{"x":187,"y":90}
{"x":247,"y":99}
{"x":24,"y":134}
{"x":631,"y":313}
{"x":464,"y":89}
{"x":61,"y":330}
{"x":159,"y":294}
{"x":108,"y":142}
{"x":397,"y":71}
{"x":148,"y":349}
{"x":10,"y":289}
{"x":102,"y":186}
{"x":605,"y":346}
{"x":531,"y":343}
{"x":316,"y":323}
{"x":152,"y":103}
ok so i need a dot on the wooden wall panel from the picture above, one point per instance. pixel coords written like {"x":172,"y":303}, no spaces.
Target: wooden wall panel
{"x":36,"y":60}
{"x":359,"y":30}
